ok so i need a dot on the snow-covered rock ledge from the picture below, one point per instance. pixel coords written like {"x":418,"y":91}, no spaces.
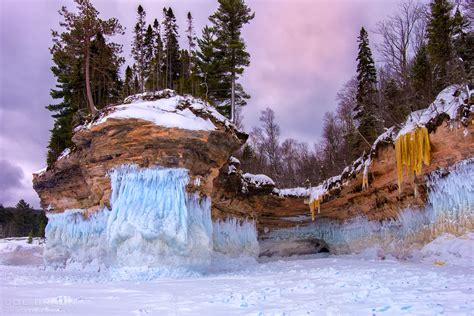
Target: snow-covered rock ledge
{"x":167,"y":109}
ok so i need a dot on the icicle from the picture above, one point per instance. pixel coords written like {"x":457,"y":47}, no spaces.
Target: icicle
{"x":313,"y":205}
{"x":235,"y":238}
{"x":365,"y":175}
{"x":412,"y":150}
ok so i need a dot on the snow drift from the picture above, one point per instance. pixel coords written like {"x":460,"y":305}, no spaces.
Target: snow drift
{"x":153,"y":222}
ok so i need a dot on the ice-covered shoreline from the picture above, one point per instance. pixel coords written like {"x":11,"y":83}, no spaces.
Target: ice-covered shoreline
{"x":342,"y":285}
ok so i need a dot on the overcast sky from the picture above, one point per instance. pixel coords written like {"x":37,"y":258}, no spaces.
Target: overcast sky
{"x":302,"y":52}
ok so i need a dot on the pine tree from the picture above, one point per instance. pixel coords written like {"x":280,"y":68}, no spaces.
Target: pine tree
{"x":81,"y":29}
{"x":214,"y":86}
{"x":136,"y":82}
{"x":463,"y":45}
{"x":421,"y":78}
{"x":365,"y":110}
{"x":184,"y":75}
{"x":439,"y":46}
{"x":105,"y":65}
{"x":138,"y":47}
{"x":22,"y":205}
{"x":227,"y":23}
{"x":157,"y":57}
{"x":191,"y":36}
{"x":172,"y":64}
{"x":41,"y":228}
{"x":128,"y":83}
{"x":395,"y":110}
{"x":149,"y":50}
{"x":83,"y":61}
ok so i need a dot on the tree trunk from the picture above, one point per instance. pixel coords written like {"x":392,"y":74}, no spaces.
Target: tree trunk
{"x":90,"y":101}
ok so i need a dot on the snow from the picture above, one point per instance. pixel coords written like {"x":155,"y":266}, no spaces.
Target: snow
{"x":294,"y":192}
{"x":153,"y":222}
{"x":386,"y":136}
{"x":162,"y":112}
{"x":445,"y":102}
{"x":64,"y":153}
{"x":234,"y":160}
{"x":310,"y":285}
{"x":232,"y":169}
{"x":448,"y":249}
{"x":258,"y":179}
{"x":165,"y":108}
{"x":17,"y":251}
{"x":41,"y":171}
{"x":317,"y":192}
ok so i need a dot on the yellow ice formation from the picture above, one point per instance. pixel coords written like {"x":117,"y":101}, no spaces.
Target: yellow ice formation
{"x":365,"y":177}
{"x":312,"y":207}
{"x":412,"y":149}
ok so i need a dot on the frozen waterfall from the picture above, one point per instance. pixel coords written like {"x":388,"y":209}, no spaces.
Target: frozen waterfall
{"x":153,"y":222}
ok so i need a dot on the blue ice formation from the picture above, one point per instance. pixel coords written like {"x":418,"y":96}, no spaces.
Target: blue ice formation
{"x":153,"y":222}
{"x":451,"y":192}
{"x":450,"y":200}
{"x":73,"y":236}
{"x":234,"y":238}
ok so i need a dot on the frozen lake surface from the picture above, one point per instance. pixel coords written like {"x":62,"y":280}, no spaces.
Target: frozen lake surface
{"x":335,"y":285}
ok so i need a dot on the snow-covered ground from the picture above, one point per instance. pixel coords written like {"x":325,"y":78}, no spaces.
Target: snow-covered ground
{"x":437,"y":282}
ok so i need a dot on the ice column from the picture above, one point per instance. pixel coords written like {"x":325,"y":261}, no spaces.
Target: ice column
{"x":154,"y":221}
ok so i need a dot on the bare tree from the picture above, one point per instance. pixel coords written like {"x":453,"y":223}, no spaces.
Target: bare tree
{"x":400,"y":34}
{"x":271,"y":143}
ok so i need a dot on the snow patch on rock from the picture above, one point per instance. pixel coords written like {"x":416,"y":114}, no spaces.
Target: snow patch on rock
{"x":165,"y":108}
{"x":448,"y":101}
{"x":258,"y":179}
{"x":448,"y":249}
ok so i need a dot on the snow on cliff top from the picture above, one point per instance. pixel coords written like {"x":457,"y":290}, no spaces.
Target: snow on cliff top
{"x":258,"y":179}
{"x":165,"y":108}
{"x":448,"y":101}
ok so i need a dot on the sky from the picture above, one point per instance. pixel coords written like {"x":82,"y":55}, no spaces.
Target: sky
{"x":302,"y":52}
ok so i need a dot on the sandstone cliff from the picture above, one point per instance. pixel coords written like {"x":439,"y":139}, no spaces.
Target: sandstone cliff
{"x":451,"y":133}
{"x":151,"y":129}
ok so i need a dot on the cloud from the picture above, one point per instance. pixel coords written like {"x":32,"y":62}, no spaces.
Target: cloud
{"x":11,"y":177}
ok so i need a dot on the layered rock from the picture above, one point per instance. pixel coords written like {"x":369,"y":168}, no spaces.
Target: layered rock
{"x":151,"y":129}
{"x":449,"y":121}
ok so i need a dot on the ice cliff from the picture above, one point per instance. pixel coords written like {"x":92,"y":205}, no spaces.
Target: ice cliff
{"x":153,"y":222}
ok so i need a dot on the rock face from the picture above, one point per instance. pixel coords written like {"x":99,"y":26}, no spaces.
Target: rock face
{"x":451,"y":141}
{"x":190,"y":135}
